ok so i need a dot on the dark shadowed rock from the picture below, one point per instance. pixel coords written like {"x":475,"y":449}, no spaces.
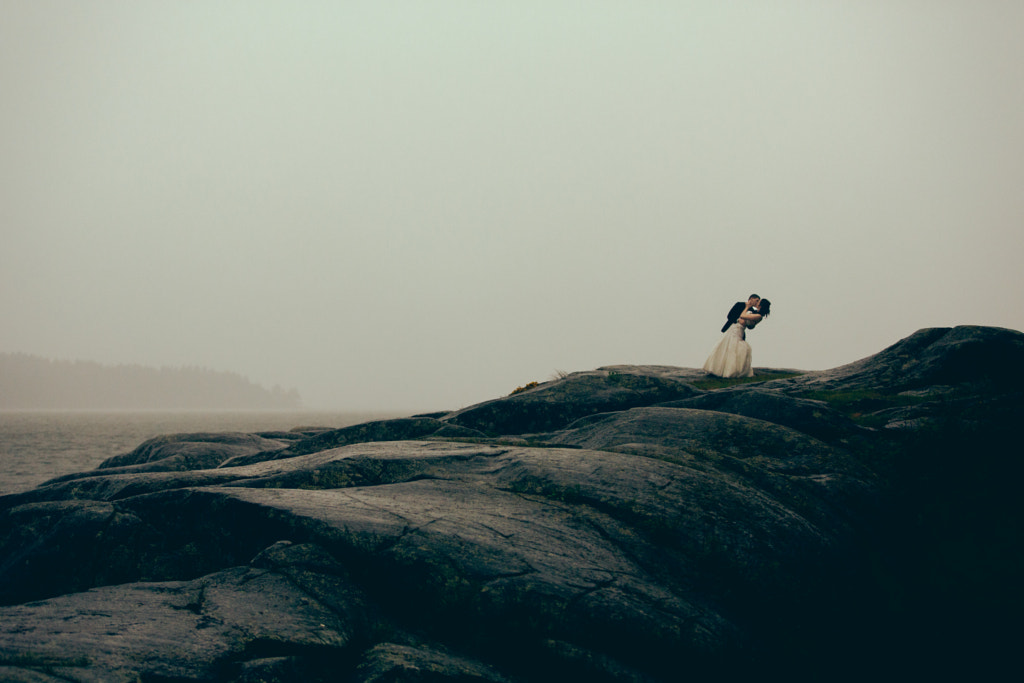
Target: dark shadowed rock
{"x":476,"y":544}
{"x":938,"y":356}
{"x":819,"y":482}
{"x":616,"y":525}
{"x":393,"y":662}
{"x":815,"y":418}
{"x":399,"y":429}
{"x":221,"y":626}
{"x":179,"y":452}
{"x":555,"y":404}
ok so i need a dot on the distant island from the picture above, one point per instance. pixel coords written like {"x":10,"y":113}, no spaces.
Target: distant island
{"x":29,"y":382}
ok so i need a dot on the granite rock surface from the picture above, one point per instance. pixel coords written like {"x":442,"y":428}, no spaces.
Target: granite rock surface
{"x":630,"y":523}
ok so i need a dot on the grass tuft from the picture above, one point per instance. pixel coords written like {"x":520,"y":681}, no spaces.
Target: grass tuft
{"x":519,"y":390}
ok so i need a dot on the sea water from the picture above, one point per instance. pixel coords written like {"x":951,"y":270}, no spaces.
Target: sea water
{"x":38,"y":445}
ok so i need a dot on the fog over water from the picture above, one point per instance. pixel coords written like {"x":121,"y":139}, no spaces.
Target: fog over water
{"x":417,"y":206}
{"x":36,"y":446}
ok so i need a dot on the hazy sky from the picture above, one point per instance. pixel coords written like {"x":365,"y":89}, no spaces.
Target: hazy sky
{"x":422,"y":205}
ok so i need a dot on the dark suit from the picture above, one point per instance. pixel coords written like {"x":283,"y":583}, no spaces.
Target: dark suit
{"x":734,"y":314}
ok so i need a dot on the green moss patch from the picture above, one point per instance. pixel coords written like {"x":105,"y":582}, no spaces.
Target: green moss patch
{"x":859,"y":404}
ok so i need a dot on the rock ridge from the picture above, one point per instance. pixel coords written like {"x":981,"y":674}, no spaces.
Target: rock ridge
{"x":629,"y":523}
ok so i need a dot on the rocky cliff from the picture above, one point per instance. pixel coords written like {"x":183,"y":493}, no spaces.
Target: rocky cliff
{"x":631,"y":523}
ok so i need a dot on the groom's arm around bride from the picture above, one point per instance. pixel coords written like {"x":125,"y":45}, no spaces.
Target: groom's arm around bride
{"x":734,"y":314}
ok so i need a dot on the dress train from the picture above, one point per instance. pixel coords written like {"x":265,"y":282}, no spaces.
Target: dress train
{"x":732,"y":356}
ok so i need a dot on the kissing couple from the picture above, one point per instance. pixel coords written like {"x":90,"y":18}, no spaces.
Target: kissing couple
{"x":732,"y":356}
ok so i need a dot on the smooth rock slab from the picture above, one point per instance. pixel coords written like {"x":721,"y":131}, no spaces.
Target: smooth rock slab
{"x":487,"y":545}
{"x":174,"y":630}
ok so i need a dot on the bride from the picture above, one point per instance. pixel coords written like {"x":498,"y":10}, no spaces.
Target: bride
{"x":732,"y":356}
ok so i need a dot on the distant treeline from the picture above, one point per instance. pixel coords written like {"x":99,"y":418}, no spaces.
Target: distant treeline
{"x":32,"y":383}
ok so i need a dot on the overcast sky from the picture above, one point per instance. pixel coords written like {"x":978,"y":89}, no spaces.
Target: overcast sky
{"x":423,"y":205}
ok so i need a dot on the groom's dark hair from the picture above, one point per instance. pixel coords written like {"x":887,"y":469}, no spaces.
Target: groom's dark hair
{"x":753,"y":296}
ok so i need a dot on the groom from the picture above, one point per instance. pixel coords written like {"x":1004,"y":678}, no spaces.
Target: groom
{"x":738,"y":308}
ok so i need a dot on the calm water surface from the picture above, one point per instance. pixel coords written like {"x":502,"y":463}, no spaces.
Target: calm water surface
{"x":36,"y":446}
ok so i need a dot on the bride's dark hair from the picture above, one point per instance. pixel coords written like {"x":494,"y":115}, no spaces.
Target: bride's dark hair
{"x":764,"y":308}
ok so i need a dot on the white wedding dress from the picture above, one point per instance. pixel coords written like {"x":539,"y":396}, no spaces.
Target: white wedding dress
{"x":731,"y":356}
